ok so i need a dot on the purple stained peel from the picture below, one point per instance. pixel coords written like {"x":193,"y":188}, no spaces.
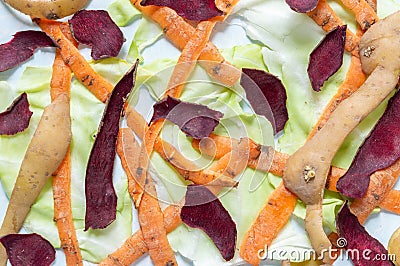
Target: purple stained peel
{"x":302,"y":6}
{"x":22,"y":47}
{"x":203,"y":210}
{"x":380,"y":150}
{"x":101,"y":200}
{"x":327,"y":57}
{"x":28,"y":250}
{"x":17,"y":116}
{"x":364,"y":248}
{"x":96,"y":29}
{"x":196,"y":10}
{"x":267,"y":95}
{"x":197,"y":121}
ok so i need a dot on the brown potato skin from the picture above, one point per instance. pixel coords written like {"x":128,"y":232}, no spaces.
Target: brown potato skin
{"x":50,"y":9}
{"x":44,"y":154}
{"x":394,"y":246}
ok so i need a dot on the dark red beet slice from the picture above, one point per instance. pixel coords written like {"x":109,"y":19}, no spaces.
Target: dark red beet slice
{"x":380,"y":150}
{"x":302,"y":6}
{"x":267,"y":96}
{"x":28,"y":249}
{"x":196,"y":120}
{"x":327,"y":57}
{"x":17,"y":116}
{"x":204,"y":211}
{"x":190,"y":9}
{"x":96,"y":29}
{"x":363,"y":248}
{"x":101,"y":200}
{"x":22,"y":47}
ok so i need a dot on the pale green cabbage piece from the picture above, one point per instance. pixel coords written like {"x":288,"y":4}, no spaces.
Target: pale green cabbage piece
{"x":146,"y":34}
{"x":86,"y":113}
{"x":123,"y":12}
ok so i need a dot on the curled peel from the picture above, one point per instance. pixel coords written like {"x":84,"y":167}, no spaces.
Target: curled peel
{"x":16,"y":118}
{"x":196,"y":10}
{"x":327,"y":57}
{"x":204,"y":211}
{"x":380,"y":150}
{"x":197,"y":121}
{"x":267,"y":95}
{"x":96,"y":29}
{"x":28,"y":249}
{"x":22,"y":47}
{"x":101,"y":200}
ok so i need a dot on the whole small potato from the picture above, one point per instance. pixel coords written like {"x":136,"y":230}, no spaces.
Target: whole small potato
{"x":50,"y":9}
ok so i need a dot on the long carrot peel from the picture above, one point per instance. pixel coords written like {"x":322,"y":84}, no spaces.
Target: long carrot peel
{"x":148,"y":208}
{"x":135,"y":246}
{"x":391,"y":202}
{"x":77,"y":63}
{"x":364,"y":13}
{"x":325,"y":17}
{"x":269,"y":222}
{"x":60,"y":83}
{"x":179,"y":32}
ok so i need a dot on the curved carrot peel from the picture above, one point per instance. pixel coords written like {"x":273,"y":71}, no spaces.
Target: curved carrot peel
{"x":364,"y":13}
{"x":269,"y":222}
{"x":178,"y":31}
{"x":60,"y":83}
{"x":325,"y":17}
{"x":391,"y":202}
{"x":71,"y":56}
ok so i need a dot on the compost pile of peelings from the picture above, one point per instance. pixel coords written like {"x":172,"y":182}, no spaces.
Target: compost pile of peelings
{"x":196,"y":121}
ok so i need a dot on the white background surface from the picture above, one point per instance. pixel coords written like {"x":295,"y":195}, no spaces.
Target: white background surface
{"x":379,"y":225}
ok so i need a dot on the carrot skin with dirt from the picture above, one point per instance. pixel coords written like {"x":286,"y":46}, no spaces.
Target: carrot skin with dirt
{"x":77,"y":63}
{"x":269,"y":222}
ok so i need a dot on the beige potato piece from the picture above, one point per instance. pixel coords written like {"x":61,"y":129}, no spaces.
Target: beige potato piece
{"x":394,"y":246}
{"x":50,"y":9}
{"x":306,"y":170}
{"x":45,"y":153}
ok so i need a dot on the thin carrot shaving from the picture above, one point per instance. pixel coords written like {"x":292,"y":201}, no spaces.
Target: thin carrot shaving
{"x":77,"y":63}
{"x":60,"y":83}
{"x":391,"y":201}
{"x":269,"y":222}
{"x":179,"y":32}
{"x":364,"y":13}
{"x":325,"y":17}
